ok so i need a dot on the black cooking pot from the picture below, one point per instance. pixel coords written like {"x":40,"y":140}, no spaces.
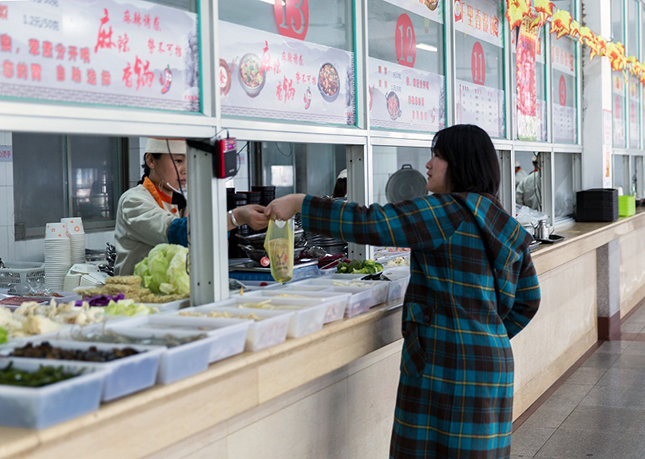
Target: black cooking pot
{"x":406,"y":183}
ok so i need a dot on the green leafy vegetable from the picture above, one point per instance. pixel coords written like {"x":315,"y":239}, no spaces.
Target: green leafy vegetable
{"x":43,"y":376}
{"x":164,"y":270}
{"x":4,"y":336}
{"x":128,"y":308}
{"x":358,"y":267}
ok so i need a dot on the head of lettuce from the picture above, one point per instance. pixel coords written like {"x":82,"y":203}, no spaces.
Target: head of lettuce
{"x":164,"y":270}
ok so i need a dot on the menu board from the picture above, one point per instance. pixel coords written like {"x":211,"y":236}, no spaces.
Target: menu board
{"x":563,"y":83}
{"x":405,"y":98}
{"x":266,"y":75}
{"x":477,"y":101}
{"x":564,"y":124}
{"x":482,"y":106}
{"x":114,"y":52}
{"x":634,"y":102}
{"x":618,"y":98}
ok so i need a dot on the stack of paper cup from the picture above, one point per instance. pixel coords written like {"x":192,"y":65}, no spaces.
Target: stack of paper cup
{"x":76,"y":237}
{"x":58,"y":255}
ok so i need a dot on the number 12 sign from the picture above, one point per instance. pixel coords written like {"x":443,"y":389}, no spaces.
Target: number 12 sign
{"x":292,"y":18}
{"x":405,"y":41}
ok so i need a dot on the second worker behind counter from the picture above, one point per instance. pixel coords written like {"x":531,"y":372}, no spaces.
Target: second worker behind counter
{"x":154,"y":212}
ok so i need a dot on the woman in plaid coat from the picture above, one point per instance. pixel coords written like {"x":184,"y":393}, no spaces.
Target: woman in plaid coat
{"x":455,"y":396}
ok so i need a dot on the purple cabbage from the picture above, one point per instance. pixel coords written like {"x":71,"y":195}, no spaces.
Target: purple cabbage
{"x":101,"y":300}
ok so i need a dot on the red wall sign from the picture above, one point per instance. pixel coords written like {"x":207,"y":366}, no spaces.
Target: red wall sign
{"x":478,"y":64}
{"x":563,"y":91}
{"x":292,"y":18}
{"x":405,"y":41}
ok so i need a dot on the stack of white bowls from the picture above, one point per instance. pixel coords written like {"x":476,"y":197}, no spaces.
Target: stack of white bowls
{"x":76,"y":238}
{"x":58,"y":255}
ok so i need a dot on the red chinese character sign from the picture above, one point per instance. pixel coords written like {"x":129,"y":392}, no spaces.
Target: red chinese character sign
{"x":527,"y":113}
{"x":135,"y":54}
{"x":292,"y":18}
{"x":405,"y":41}
{"x":479,"y":19}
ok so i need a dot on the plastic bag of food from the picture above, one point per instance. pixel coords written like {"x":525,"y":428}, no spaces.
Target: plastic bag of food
{"x":279,"y":246}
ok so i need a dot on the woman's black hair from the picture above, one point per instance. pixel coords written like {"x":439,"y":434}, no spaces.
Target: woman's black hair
{"x":472,"y":160}
{"x":146,"y":168}
{"x":340,"y":188}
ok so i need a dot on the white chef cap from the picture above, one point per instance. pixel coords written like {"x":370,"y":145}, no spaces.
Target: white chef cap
{"x":158,"y":145}
{"x":342,"y":174}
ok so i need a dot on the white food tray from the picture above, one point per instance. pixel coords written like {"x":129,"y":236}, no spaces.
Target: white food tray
{"x":171,"y":306}
{"x":177,"y":362}
{"x":398,"y":286}
{"x":40,"y":407}
{"x":308,"y":313}
{"x":269,"y":331}
{"x":230,"y":333}
{"x":359,"y":302}
{"x":336,"y":302}
{"x":398,"y":283}
{"x":363,"y":297}
{"x":124,"y":376}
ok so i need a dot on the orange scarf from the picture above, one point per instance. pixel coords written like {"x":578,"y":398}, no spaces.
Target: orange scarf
{"x":156,"y":193}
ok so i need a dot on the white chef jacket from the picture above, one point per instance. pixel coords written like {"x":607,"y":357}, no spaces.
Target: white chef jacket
{"x":142,"y":221}
{"x":528,"y":192}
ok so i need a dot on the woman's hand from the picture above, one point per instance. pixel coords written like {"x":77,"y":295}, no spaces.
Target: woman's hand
{"x":284,"y":208}
{"x":252,"y":215}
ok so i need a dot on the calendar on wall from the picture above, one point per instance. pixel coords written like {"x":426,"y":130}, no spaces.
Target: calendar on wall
{"x":564,"y":124}
{"x":482,"y":106}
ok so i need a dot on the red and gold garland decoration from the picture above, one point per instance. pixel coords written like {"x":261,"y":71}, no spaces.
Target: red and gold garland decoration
{"x":562,"y":23}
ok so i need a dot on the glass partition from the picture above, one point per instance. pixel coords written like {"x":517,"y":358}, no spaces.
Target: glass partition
{"x":618,"y":108}
{"x":565,"y":193}
{"x":290,"y":60}
{"x":479,"y":60}
{"x":406,"y":65}
{"x":631,"y":45}
{"x":634,"y":112}
{"x":620,"y":173}
{"x":633,"y":179}
{"x":399,"y":173}
{"x":528,"y":180}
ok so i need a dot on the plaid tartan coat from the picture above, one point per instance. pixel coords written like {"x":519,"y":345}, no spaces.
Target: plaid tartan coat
{"x":455,"y":396}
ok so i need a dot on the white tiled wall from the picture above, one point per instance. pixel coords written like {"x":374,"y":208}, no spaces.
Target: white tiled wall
{"x":137,"y":150}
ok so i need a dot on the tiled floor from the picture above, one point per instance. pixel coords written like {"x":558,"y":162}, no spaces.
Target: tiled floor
{"x":599,"y":411}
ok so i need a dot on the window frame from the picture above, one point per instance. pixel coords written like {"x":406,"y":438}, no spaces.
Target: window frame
{"x":37,"y":232}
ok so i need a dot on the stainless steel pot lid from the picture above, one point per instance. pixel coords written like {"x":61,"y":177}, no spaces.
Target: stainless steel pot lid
{"x":406,"y":183}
